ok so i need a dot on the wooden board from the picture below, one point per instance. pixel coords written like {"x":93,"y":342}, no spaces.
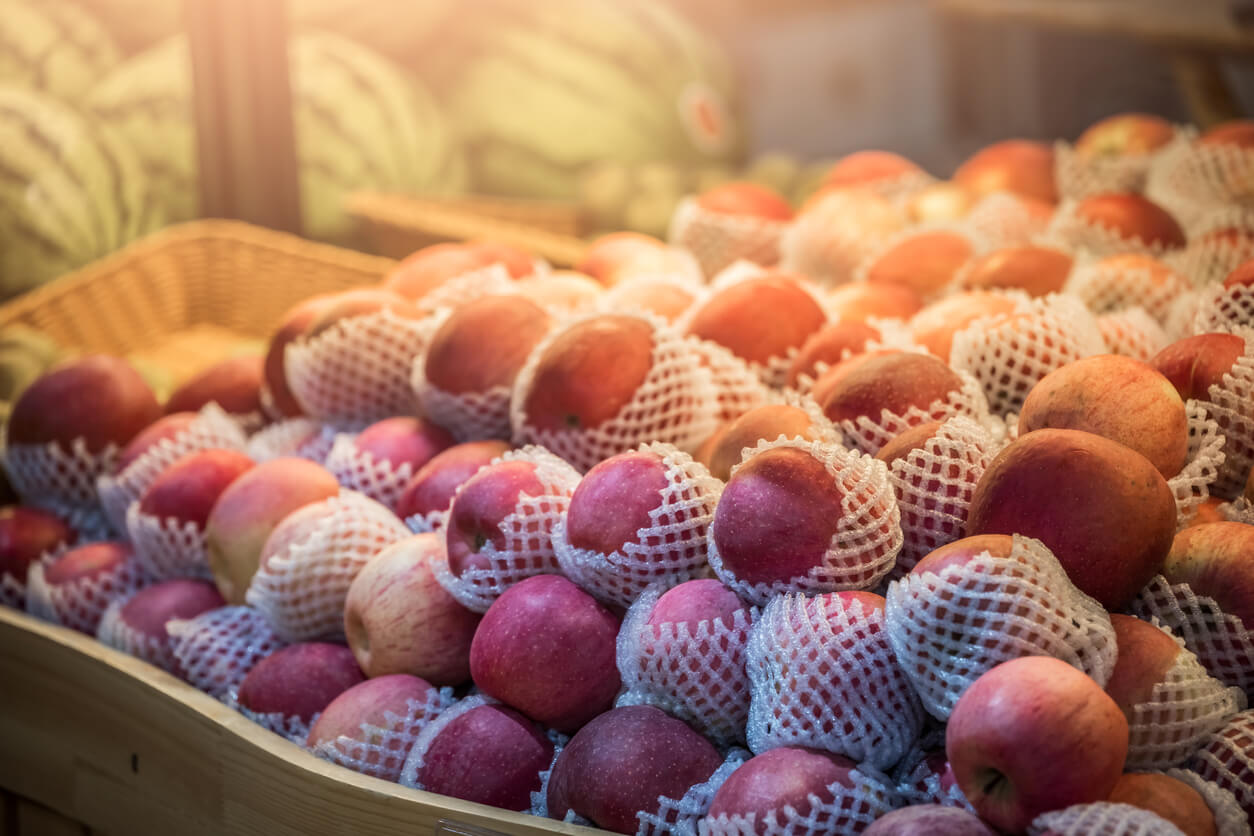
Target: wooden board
{"x":104,"y":739}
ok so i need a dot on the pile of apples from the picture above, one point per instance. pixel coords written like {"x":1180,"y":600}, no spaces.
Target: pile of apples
{"x":925,"y":507}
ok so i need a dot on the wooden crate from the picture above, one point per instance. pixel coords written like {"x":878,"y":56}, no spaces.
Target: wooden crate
{"x":119,"y":747}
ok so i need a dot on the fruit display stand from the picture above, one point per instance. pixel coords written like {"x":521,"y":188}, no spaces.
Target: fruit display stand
{"x":117,"y":746}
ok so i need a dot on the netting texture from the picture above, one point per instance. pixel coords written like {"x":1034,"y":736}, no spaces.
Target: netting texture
{"x":216,"y":650}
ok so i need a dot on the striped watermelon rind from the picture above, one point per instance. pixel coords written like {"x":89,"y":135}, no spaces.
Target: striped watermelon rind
{"x":54,"y":47}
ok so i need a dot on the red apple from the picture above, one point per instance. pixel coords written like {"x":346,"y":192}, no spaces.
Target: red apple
{"x":1131,"y":216}
{"x":351,"y":304}
{"x":163,"y":429}
{"x":1194,"y":364}
{"x":1035,"y":269}
{"x":484,"y":343}
{"x":614,"y":500}
{"x":929,"y":820}
{"x":399,"y":619}
{"x":664,"y":297}
{"x":100,"y":399}
{"x":623,"y":761}
{"x":607,"y":253}
{"x":1034,"y":735}
{"x":1075,"y":492}
{"x":294,"y":323}
{"x":85,"y":580}
{"x":562,"y":291}
{"x":763,"y":423}
{"x":517,"y":261}
{"x":431,"y":489}
{"x":1214,"y":559}
{"x":1124,"y":134}
{"x":829,"y":346}
{"x":480,"y":506}
{"x":300,"y":680}
{"x":787,"y":776}
{"x":249,"y":509}
{"x":547,"y":648}
{"x":26,"y":534}
{"x":423,"y":271}
{"x":188,"y":489}
{"x":1237,"y":133}
{"x":745,"y":199}
{"x":1168,"y":797}
{"x":402,"y":440}
{"x":856,"y":301}
{"x":926,"y":262}
{"x":1015,"y":165}
{"x":692,"y":602}
{"x":1242,"y":275}
{"x":759,"y":318}
{"x":934,"y":326}
{"x":869,"y":168}
{"x":149,"y":610}
{"x":233,"y":384}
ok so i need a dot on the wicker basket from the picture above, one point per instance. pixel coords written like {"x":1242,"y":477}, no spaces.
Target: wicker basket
{"x":396,"y":225}
{"x":189,"y":295}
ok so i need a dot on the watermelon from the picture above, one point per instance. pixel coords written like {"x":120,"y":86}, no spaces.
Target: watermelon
{"x":360,"y":124}
{"x":54,"y":47}
{"x":70,"y":190}
{"x":397,"y":28}
{"x":542,"y":90}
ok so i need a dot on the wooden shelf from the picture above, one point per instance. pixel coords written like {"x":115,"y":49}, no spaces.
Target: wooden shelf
{"x":124,"y":748}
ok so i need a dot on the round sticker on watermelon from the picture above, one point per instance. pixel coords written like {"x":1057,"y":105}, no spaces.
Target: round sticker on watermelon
{"x":703,"y":112}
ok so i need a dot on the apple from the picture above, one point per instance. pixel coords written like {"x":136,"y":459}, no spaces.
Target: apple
{"x":399,"y":619}
{"x":294,"y":323}
{"x":480,"y":508}
{"x":1119,"y":281}
{"x":694,"y":601}
{"x":233,"y":384}
{"x":188,"y":489}
{"x":562,"y":291}
{"x":1075,"y":492}
{"x":621,"y":762}
{"x":1195,"y":364}
{"x":1227,"y":759}
{"x":147,"y":612}
{"x":26,"y":535}
{"x":1130,"y":216}
{"x":940,"y":202}
{"x":484,"y":343}
{"x":489,"y":754}
{"x":607,"y":254}
{"x":926,"y":262}
{"x":1207,"y":512}
{"x":100,"y":399}
{"x":870,"y":168}
{"x":167,"y":428}
{"x":614,"y":500}
{"x":248,"y":510}
{"x":547,"y":648}
{"x":1124,"y":134}
{"x":742,"y":199}
{"x":1242,"y":275}
{"x":929,"y":820}
{"x":431,"y":489}
{"x":1118,"y":398}
{"x":830,"y":345}
{"x":1237,"y":133}
{"x":1014,"y":165}
{"x":403,"y":441}
{"x":1036,"y":269}
{"x":1168,"y":797}
{"x":766,"y":785}
{"x":423,"y":271}
{"x":858,"y":302}
{"x":934,"y":326}
{"x":726,"y":447}
{"x":1034,"y":735}
{"x":351,"y":304}
{"x":82,"y":583}
{"x":1214,"y":560}
{"x":516,"y":260}
{"x":663,"y":297}
{"x":299,"y":680}
{"x":760,"y":318}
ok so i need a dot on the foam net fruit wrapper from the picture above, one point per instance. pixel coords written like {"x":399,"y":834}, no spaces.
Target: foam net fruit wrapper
{"x":870,"y":434}
{"x":358,"y":470}
{"x":1133,"y":333}
{"x":49,"y":476}
{"x":288,"y":726}
{"x":1179,"y":322}
{"x":211,"y":429}
{"x":1209,"y":260}
{"x":1009,"y":353}
{"x":950,"y":628}
{"x":216,"y":650}
{"x":80,"y":603}
{"x":696,"y":673}
{"x":1194,"y":180}
{"x":116,"y":633}
{"x":672,"y":549}
{"x":540,"y":798}
{"x":412,"y":738}
{"x":1081,"y":175}
{"x":1183,"y":710}
{"x":1221,"y":642}
{"x":1240,"y":510}
{"x":1191,"y":486}
{"x":828,"y":241}
{"x":382,"y":751}
{"x":1108,"y":287}
{"x":1231,"y":405}
{"x":1222,"y":308}
{"x":917,"y":778}
{"x":934,"y":485}
{"x":467,"y":287}
{"x":1227,"y":759}
{"x":679,"y":816}
{"x":302,"y":438}
{"x":865,"y":546}
{"x":848,"y":811}
{"x":470,"y":416}
{"x":528,"y":531}
{"x":168,"y":548}
{"x":301,"y":591}
{"x":357,"y":371}
{"x":675,"y":403}
{"x":1230,"y":819}
{"x":737,"y":386}
{"x":717,"y":239}
{"x":1004,"y":220}
{"x":1102,"y":818}
{"x":1070,"y":231}
{"x":824,"y":676}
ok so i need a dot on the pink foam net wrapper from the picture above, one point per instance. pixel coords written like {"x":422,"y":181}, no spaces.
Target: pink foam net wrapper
{"x":216,"y":650}
{"x":301,"y":590}
{"x":1191,"y":486}
{"x":291,"y":727}
{"x":934,"y":485}
{"x":679,"y":816}
{"x":737,"y":386}
{"x":675,"y":403}
{"x":1230,"y":819}
{"x":1132,"y":333}
{"x":80,"y":603}
{"x":948,"y":629}
{"x":920,"y":774}
{"x":827,"y":241}
{"x":302,"y":438}
{"x":1002,"y":219}
{"x":358,"y":470}
{"x":1009,"y":353}
{"x":1080,"y":175}
{"x":1211,"y":253}
{"x":865,"y":546}
{"x":116,"y":633}
{"x":383,"y":751}
{"x":1229,"y":405}
{"x":469,"y":416}
{"x":693,"y":672}
{"x":357,"y":371}
{"x":869,"y":434}
{"x":1221,"y":641}
{"x":824,"y":676}
{"x":671,"y":550}
{"x":528,"y":531}
{"x":1185,"y":708}
{"x":1226,"y":759}
{"x":1102,"y":818}
{"x":1194,"y":180}
{"x":848,"y":809}
{"x":718,"y":239}
{"x":167,"y":547}
{"x":1222,"y":308}
{"x":212,"y":429}
{"x":1110,"y":286}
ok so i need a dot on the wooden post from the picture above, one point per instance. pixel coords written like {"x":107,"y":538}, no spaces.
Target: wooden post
{"x":246,"y":142}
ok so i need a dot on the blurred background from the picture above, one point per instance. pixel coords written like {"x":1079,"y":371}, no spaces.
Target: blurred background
{"x":119,"y":117}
